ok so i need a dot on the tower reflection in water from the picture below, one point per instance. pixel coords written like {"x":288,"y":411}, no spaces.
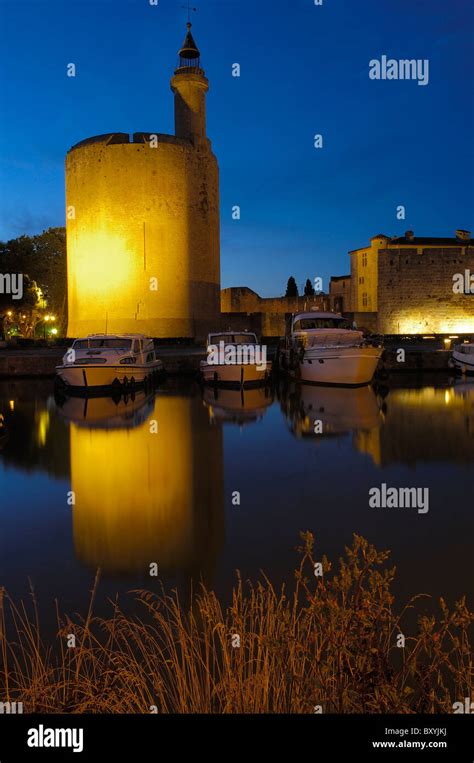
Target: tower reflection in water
{"x":147,"y":476}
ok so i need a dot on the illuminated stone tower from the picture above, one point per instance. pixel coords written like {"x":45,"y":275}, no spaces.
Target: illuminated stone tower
{"x":143,"y":243}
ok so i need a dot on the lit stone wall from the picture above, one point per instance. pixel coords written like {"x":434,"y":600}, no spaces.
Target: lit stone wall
{"x":136,"y":213}
{"x":364,"y":276}
{"x":241,"y":299}
{"x":415,"y":291}
{"x":340,"y":294}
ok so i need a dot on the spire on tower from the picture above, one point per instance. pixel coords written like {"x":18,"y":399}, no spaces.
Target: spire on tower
{"x":189,"y":85}
{"x":189,"y":54}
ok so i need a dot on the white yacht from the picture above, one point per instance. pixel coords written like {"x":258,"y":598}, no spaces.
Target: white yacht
{"x":323,"y":348}
{"x":102,"y":362}
{"x":462,"y":357}
{"x":235,"y":358}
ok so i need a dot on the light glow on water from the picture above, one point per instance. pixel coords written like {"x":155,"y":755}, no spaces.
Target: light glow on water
{"x":153,"y":480}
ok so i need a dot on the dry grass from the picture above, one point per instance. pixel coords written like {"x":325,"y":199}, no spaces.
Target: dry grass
{"x":332,"y":643}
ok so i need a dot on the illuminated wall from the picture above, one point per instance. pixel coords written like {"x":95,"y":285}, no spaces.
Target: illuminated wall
{"x":415,"y":291}
{"x":142,"y":497}
{"x":142,"y":213}
{"x":407,"y":285}
{"x":364,"y":275}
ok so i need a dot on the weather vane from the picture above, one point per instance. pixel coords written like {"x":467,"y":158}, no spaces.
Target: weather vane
{"x":188,"y":8}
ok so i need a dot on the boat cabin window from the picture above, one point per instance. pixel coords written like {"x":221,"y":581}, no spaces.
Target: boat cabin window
{"x":306,"y":324}
{"x":106,"y":343}
{"x":233,"y":339}
{"x":136,"y":345}
{"x":244,"y":339}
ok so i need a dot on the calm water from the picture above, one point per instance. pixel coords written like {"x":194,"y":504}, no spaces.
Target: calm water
{"x":166,"y":496}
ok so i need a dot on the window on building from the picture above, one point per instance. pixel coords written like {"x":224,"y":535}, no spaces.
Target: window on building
{"x":361,"y":279}
{"x":364,"y":260}
{"x":364,"y":299}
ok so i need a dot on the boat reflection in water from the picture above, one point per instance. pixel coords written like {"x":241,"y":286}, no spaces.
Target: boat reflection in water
{"x":324,"y":411}
{"x":108,"y":412}
{"x":147,"y":477}
{"x":405,"y":426}
{"x":242,"y":406}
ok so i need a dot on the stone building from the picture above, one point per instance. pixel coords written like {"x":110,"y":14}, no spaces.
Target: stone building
{"x":405,"y":285}
{"x":143,"y":238}
{"x":237,"y":299}
{"x":243,"y":308}
{"x":340,"y":293}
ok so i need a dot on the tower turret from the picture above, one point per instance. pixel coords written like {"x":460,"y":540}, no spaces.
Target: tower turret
{"x":190,"y":85}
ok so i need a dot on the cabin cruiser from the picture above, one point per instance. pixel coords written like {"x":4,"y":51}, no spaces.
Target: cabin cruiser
{"x":462,"y":358}
{"x":235,"y":358}
{"x":323,"y":348}
{"x":108,"y":362}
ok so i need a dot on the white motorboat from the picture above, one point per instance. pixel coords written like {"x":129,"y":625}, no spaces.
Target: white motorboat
{"x":323,"y":348}
{"x":236,"y":359}
{"x":462,"y":358}
{"x":102,"y":362}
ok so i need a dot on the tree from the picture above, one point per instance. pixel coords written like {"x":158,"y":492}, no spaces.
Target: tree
{"x":308,"y":289}
{"x":291,"y":288}
{"x":42,"y":259}
{"x":21,"y":316}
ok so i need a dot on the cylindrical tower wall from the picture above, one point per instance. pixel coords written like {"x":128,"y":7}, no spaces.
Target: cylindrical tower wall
{"x":190,"y":105}
{"x":142,"y":237}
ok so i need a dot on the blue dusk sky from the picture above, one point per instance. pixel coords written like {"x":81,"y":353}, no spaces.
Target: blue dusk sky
{"x":304,"y":71}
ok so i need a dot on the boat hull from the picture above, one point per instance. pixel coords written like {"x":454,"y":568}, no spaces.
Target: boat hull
{"x":87,"y":379}
{"x":349,"y":367}
{"x":236,"y":375}
{"x":463,"y":363}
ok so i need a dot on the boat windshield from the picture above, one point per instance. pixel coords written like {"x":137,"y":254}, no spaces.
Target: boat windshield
{"x":233,"y":339}
{"x":115,"y":343}
{"x":306,"y":324}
